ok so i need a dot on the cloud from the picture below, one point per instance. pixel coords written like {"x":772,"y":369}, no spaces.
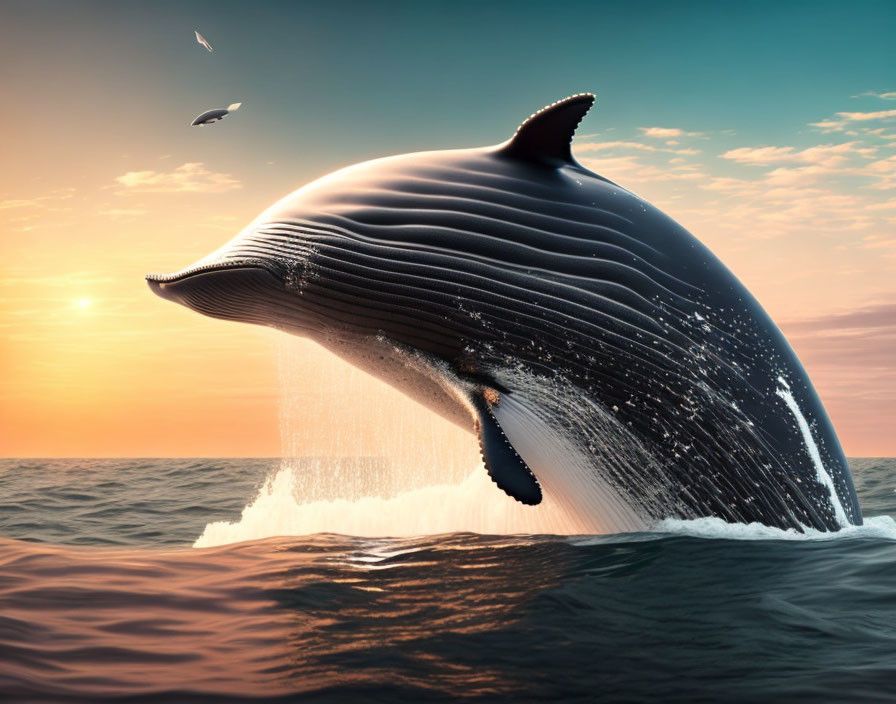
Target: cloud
{"x":192,"y":177}
{"x":630,"y":169}
{"x":828,"y":125}
{"x":891,"y":95}
{"x":37,"y":201}
{"x":662,"y":132}
{"x":864,"y":116}
{"x":885,"y":205}
{"x":814,"y":164}
{"x":884,"y":166}
{"x":758,"y":155}
{"x":796,"y":176}
{"x":19,"y":203}
{"x":856,"y":345}
{"x":846,"y":118}
{"x":825,"y":155}
{"x":601,"y":146}
{"x":882,"y":315}
{"x":637,"y":146}
{"x":792,"y":200}
{"x":885,"y":171}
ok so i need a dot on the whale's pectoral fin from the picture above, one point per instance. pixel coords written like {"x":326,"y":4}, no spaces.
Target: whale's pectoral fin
{"x":546,"y":136}
{"x":504,"y":465}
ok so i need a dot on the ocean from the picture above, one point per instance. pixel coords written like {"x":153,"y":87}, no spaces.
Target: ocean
{"x":212,"y":580}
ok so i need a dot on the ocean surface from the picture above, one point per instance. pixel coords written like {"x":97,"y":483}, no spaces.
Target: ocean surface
{"x":215,"y":581}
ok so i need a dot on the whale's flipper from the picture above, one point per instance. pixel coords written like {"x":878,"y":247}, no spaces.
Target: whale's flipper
{"x":506,"y":468}
{"x":547,"y":135}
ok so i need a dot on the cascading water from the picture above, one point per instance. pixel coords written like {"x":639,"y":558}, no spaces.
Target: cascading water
{"x":361,"y":459}
{"x":346,"y":434}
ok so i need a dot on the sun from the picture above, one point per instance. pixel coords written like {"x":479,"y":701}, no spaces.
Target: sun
{"x":83,"y":303}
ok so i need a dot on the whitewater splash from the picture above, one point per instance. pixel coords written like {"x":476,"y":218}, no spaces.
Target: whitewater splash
{"x":880,"y":527}
{"x":474,"y":505}
{"x":426,"y":486}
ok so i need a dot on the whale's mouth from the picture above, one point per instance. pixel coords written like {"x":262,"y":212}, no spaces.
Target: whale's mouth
{"x":244,"y":290}
{"x":200,"y":269}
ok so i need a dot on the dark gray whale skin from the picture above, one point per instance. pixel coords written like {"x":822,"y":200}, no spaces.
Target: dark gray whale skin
{"x":210,"y":116}
{"x":557,"y":315}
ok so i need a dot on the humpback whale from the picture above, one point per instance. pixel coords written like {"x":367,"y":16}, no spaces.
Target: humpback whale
{"x":606,"y":360}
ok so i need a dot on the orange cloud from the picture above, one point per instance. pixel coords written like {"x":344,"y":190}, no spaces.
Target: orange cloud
{"x":848,"y":117}
{"x":827,"y":155}
{"x":661,"y":132}
{"x":192,"y":177}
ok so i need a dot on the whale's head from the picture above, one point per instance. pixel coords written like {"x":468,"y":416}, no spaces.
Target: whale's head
{"x":329,"y":259}
{"x":380,"y":246}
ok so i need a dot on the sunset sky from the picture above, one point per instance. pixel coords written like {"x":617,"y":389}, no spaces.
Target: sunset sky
{"x":767,"y":129}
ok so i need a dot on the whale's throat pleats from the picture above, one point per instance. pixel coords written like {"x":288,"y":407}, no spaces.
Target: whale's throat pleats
{"x":546,"y":137}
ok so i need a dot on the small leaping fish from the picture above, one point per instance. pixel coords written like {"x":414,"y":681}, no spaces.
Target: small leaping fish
{"x":210,"y":116}
{"x":202,"y":40}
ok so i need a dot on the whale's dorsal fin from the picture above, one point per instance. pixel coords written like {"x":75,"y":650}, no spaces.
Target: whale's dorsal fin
{"x":547,"y":135}
{"x":506,"y":468}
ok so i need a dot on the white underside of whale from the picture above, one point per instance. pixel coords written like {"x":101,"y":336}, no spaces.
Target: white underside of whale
{"x":567,"y":475}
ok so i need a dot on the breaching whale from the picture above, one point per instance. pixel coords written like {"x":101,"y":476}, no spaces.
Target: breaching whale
{"x":604,"y":357}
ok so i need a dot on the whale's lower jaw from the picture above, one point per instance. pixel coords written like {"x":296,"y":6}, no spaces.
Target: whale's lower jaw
{"x":240,"y":291}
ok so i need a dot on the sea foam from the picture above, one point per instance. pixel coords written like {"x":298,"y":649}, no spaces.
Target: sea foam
{"x":881,"y":527}
{"x":474,"y":505}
